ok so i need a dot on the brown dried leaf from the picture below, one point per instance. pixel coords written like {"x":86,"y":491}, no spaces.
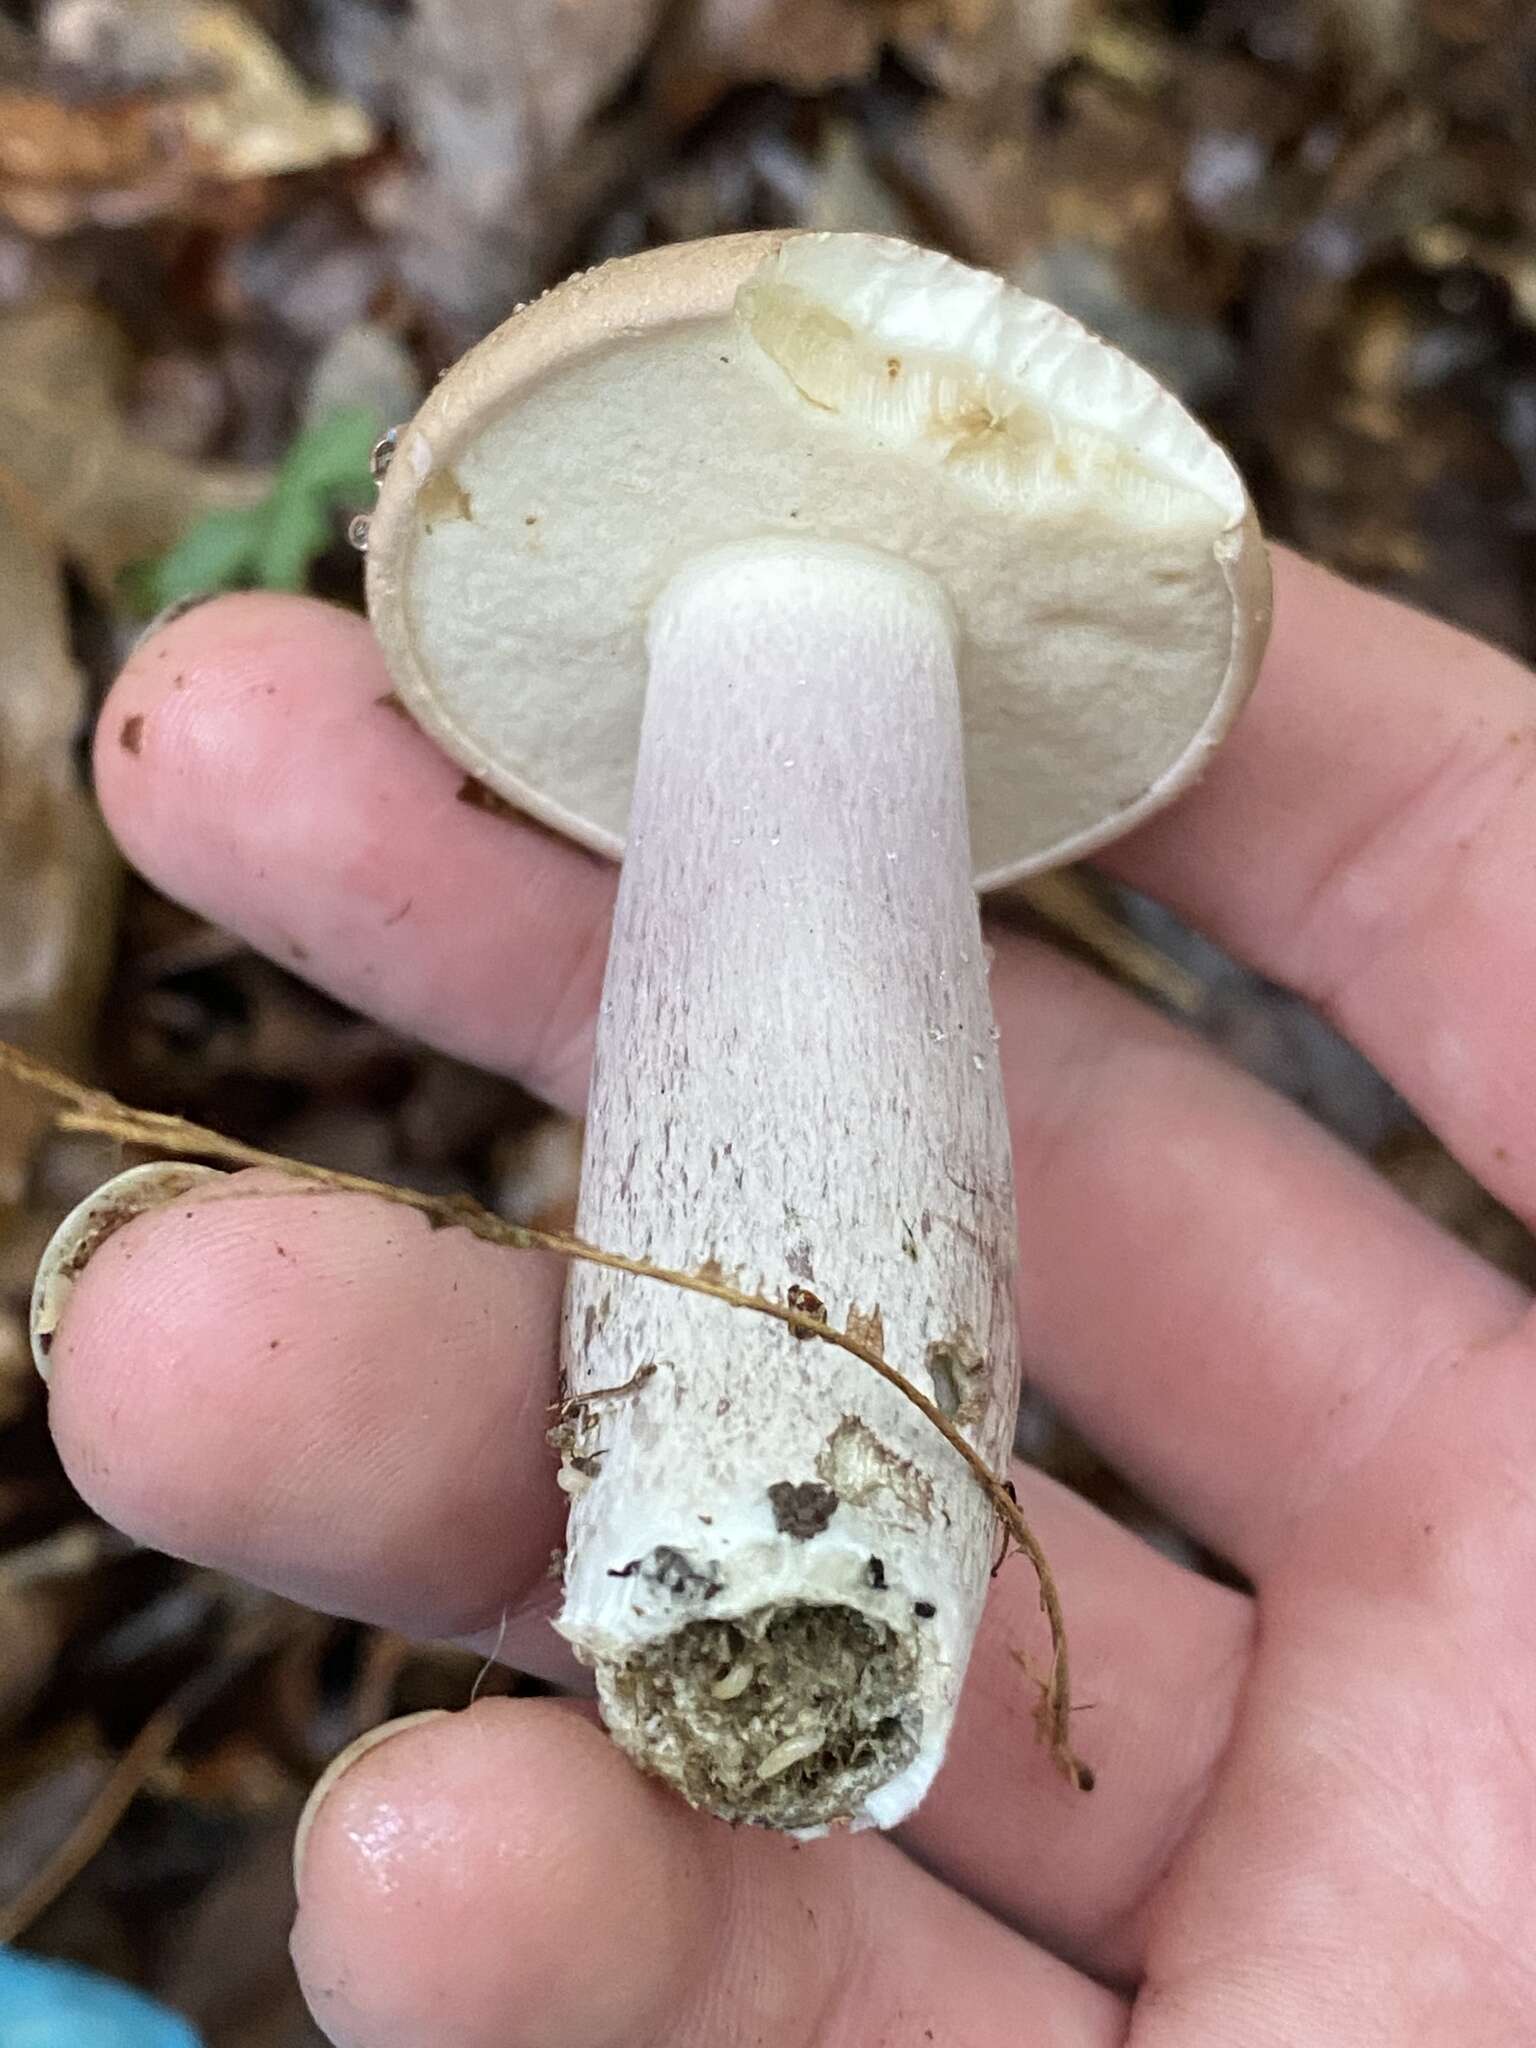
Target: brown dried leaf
{"x":127,"y":156}
{"x":539,"y":1173}
{"x":38,"y":1607}
{"x":62,"y":165}
{"x":1379,"y":37}
{"x":807,"y":45}
{"x":260,"y":120}
{"x":229,"y":1969}
{"x":102,"y":498}
{"x":18,"y":1381}
{"x":57,"y":870}
{"x":500,"y":102}
{"x":31,"y":1633}
{"x":970,"y":47}
{"x":1106,"y":174}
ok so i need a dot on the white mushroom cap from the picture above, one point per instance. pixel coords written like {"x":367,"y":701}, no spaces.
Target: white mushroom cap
{"x":1103,"y":563}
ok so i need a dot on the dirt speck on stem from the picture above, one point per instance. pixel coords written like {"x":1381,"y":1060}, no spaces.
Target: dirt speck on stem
{"x":801,"y":1511}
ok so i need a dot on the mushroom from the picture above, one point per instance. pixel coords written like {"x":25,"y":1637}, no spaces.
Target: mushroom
{"x":828,"y":581}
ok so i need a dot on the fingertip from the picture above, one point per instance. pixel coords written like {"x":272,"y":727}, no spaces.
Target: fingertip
{"x":316,"y":1390}
{"x":254,"y":764}
{"x":501,"y":1874}
{"x":105,"y":1211}
{"x":505,"y":1879}
{"x":179,"y":716}
{"x":341,"y":1766}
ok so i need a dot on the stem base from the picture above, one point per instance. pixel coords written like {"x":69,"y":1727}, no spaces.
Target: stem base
{"x":790,"y":1716}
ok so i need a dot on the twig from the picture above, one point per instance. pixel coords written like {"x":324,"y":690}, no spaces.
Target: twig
{"x":129,"y":1775}
{"x":93,"y":1110}
{"x":149,"y":1748}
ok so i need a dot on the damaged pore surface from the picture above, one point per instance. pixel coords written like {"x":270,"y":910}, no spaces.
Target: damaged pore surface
{"x":789,"y":1717}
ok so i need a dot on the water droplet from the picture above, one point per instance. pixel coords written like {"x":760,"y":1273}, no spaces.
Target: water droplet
{"x":357,"y":533}
{"x":891,"y":855}
{"x":995,"y":1035}
{"x":935,"y":1035}
{"x":383,"y":454}
{"x":773,"y":839}
{"x":978,"y":1063}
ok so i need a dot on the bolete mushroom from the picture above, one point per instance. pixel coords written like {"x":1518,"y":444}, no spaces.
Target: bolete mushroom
{"x":827,"y":580}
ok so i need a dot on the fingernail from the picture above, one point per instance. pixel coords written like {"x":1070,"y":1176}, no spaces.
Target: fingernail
{"x":86,"y":1229}
{"x":169,"y":614}
{"x":337,"y":1769}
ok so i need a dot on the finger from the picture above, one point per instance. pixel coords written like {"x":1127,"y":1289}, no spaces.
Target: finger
{"x":322,"y":1393}
{"x":319,"y":1393}
{"x":1159,"y":1657}
{"x":1360,"y":1876}
{"x":251,"y":762}
{"x":1366,"y":835}
{"x":1228,"y":1367}
{"x":503,"y":1877}
{"x":1223,"y":1299}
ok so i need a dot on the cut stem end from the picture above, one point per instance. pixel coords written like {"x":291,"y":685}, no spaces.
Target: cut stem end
{"x":789,"y":1717}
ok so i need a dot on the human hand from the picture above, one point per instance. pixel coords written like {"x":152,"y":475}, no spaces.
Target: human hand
{"x":1315,"y":1817}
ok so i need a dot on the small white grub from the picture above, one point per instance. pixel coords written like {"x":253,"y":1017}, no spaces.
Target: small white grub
{"x":789,"y":1753}
{"x":735,"y":1681}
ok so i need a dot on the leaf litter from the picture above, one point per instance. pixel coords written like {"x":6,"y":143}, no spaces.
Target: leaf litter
{"x":1314,"y":219}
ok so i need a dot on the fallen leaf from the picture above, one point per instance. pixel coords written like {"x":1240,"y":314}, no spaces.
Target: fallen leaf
{"x":18,"y":1381}
{"x":58,"y":874}
{"x":969,"y":48}
{"x":102,"y":498}
{"x":232,"y":109}
{"x":501,"y":104}
{"x":261,"y":120}
{"x":806,"y":45}
{"x":229,"y":1966}
{"x":32,"y":1635}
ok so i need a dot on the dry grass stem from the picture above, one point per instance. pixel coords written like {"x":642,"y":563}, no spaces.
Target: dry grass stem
{"x":82,"y":1108}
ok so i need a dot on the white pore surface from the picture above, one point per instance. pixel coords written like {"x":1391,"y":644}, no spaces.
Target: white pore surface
{"x":862,"y":392}
{"x":796,"y":1078}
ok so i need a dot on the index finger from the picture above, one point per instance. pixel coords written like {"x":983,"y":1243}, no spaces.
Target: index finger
{"x":1367,"y":835}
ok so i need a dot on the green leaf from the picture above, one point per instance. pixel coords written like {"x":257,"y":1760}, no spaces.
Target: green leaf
{"x":219,"y":552}
{"x":273,"y":545}
{"x":331,"y":458}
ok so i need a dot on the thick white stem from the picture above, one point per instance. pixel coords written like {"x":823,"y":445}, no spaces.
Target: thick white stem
{"x":776,"y":1564}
